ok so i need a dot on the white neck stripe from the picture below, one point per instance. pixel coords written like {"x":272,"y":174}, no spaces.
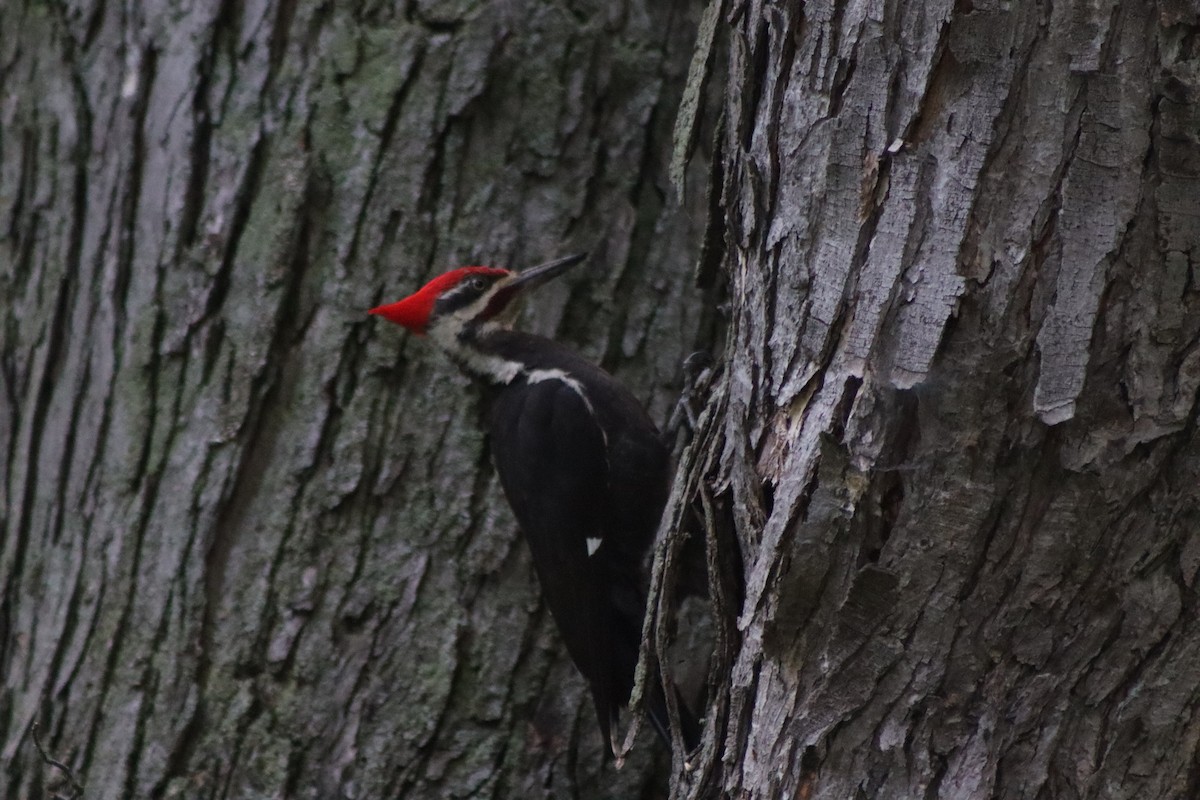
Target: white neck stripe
{"x":495,"y":368}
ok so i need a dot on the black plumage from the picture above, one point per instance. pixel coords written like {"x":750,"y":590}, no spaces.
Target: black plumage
{"x":580,"y":462}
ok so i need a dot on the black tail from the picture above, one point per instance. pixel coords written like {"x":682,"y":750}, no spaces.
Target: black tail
{"x":656,"y":709}
{"x":626,"y":648}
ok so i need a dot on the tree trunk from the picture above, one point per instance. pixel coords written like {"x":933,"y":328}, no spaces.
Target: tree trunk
{"x":956,"y":437}
{"x":252,"y":545}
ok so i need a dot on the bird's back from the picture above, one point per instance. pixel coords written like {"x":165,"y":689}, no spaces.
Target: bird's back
{"x":587,"y":476}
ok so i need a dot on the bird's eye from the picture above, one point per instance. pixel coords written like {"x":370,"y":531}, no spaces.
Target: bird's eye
{"x":478,"y":283}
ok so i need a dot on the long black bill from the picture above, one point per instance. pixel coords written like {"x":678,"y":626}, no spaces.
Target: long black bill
{"x":536,"y":276}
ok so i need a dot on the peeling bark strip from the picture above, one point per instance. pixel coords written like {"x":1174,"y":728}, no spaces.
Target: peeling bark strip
{"x":960,"y":443}
{"x":250,"y":545}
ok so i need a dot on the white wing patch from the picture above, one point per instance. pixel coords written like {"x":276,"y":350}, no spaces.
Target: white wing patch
{"x":593,"y":544}
{"x":539,"y":375}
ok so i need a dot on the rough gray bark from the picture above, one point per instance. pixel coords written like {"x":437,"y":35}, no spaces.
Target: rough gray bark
{"x":251,"y":545}
{"x":956,"y":436}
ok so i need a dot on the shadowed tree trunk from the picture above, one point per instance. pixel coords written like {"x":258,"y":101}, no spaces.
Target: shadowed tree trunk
{"x":956,"y":436}
{"x":251,"y":543}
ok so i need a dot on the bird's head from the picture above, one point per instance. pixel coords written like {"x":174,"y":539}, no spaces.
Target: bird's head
{"x":469,"y":296}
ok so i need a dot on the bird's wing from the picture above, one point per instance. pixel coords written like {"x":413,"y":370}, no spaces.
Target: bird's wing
{"x":550,"y":454}
{"x":549,"y":451}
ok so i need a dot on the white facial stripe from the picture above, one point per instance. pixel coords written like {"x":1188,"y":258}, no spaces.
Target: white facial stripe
{"x":446,"y":333}
{"x":472,"y":360}
{"x":593,"y":544}
{"x":491,"y":366}
{"x":461,"y":289}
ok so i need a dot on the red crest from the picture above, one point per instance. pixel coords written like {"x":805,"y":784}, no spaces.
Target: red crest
{"x":413,"y":311}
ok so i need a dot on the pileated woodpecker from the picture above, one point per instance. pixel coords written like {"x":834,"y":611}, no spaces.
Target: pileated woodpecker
{"x":582,"y":466}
